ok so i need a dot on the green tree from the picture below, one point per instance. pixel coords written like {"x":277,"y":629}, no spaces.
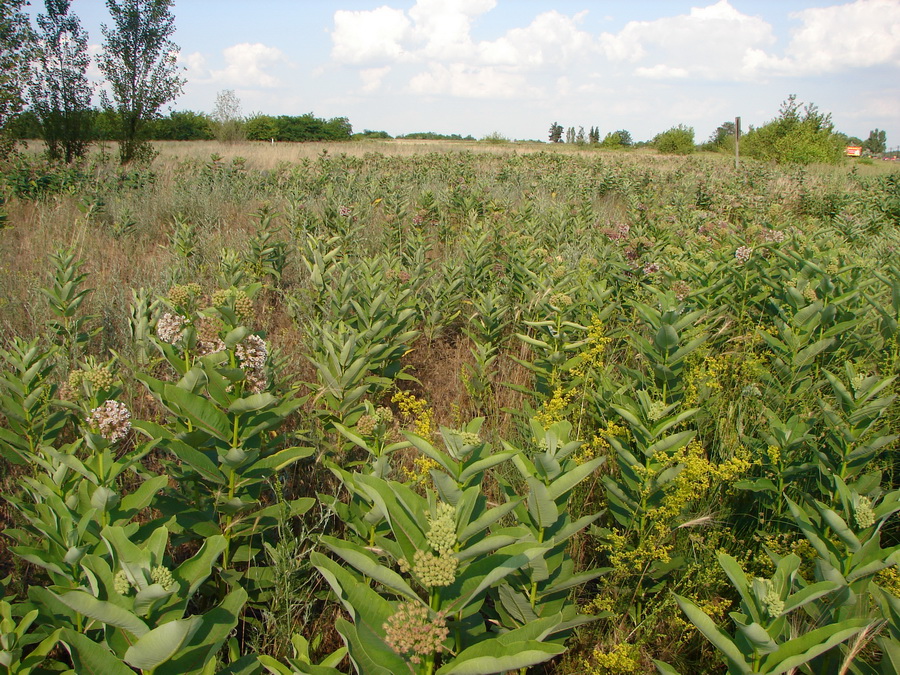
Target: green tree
{"x":799,"y":135}
{"x":16,"y":48}
{"x":556,"y":132}
{"x":183,"y":125}
{"x":59,"y":88}
{"x":876,"y":143}
{"x":259,"y":127}
{"x":675,"y":141}
{"x":228,"y":123}
{"x":139,"y":62}
{"x":570,"y":135}
{"x":579,"y":137}
{"x":616,"y":139}
{"x":722,"y":138}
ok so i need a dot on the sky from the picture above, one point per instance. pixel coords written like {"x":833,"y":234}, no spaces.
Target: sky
{"x":516,"y":66}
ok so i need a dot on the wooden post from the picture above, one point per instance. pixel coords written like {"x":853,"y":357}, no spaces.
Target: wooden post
{"x":737,"y":142}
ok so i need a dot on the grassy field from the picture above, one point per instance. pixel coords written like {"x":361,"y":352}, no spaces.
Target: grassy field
{"x":437,"y":407}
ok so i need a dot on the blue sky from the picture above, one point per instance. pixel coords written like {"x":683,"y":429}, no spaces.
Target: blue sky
{"x":515,"y":66}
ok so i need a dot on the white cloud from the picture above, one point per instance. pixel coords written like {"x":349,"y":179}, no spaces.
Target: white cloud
{"x":857,"y":35}
{"x":662,"y":71}
{"x":711,"y":43}
{"x":246,"y":66}
{"x":438,"y":34}
{"x":444,"y":26}
{"x":373,"y":36}
{"x":550,"y":38}
{"x":372,"y":77}
{"x":457,"y":79}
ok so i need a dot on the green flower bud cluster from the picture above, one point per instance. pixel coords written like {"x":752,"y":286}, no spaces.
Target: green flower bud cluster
{"x":468,"y":438}
{"x":384,"y":415}
{"x":162,"y":576}
{"x":432,"y":570}
{"x":863,"y":513}
{"x":243,"y":305}
{"x":772,"y":602}
{"x":76,"y":377}
{"x":121,"y":584}
{"x":100,"y":378}
{"x":182,"y":295}
{"x":442,"y":529}
{"x":365,"y":425}
{"x":656,"y":411}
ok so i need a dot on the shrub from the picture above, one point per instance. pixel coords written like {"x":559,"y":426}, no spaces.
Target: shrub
{"x":676,"y":141}
{"x":795,"y":137}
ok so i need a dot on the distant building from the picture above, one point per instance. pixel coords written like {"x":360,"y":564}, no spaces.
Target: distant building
{"x":853,"y":151}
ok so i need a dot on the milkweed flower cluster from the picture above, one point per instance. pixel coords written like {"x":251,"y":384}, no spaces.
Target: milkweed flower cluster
{"x":170,"y":327}
{"x":208,"y":340}
{"x":162,"y":576}
{"x":863,"y":513}
{"x":437,"y":570}
{"x":771,"y":601}
{"x":111,"y":419}
{"x":743,"y":253}
{"x":411,"y":633}
{"x":252,"y":354}
{"x":775,"y":236}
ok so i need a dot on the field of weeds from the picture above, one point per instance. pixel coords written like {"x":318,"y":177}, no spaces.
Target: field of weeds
{"x":438,"y":408}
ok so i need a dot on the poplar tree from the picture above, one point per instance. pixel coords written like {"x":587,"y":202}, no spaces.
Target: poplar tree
{"x":140,"y":64}
{"x":59,"y":88}
{"x":16,"y":47}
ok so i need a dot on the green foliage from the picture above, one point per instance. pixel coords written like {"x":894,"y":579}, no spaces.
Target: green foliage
{"x":556,"y":132}
{"x":16,"y":47}
{"x":59,"y":89}
{"x":796,"y":136}
{"x":616,"y":139}
{"x":297,"y":128}
{"x":676,"y":141}
{"x":685,"y":452}
{"x":139,"y":63}
{"x":226,"y":116}
{"x":180,"y":126}
{"x":876,"y":143}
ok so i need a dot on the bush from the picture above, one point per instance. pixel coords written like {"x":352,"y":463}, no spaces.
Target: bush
{"x":676,"y":141}
{"x":795,"y":137}
{"x":617,"y":139}
{"x":495,"y":138}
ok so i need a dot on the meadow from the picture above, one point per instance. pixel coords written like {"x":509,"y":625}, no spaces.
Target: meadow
{"x":419,"y":407}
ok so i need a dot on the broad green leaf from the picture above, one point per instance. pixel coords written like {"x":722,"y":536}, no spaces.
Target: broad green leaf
{"x":91,"y":658}
{"x":252,"y":403}
{"x":196,"y":569}
{"x":570,"y":479}
{"x":664,"y":668}
{"x":541,"y":506}
{"x":201,"y":646}
{"x":199,"y":410}
{"x":104,"y":612}
{"x":198,"y":461}
{"x":160,"y":644}
{"x":798,"y":651}
{"x":368,"y":565}
{"x":369,"y":654}
{"x":489,"y":657}
{"x":278,"y":461}
{"x":720,"y":639}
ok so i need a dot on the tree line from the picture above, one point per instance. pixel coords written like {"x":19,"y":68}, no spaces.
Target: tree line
{"x":799,"y":134}
{"x":46,"y":69}
{"x":45,"y":92}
